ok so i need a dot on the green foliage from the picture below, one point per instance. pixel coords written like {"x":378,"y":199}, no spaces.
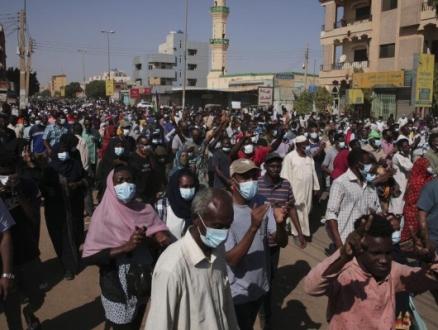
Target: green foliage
{"x":13,"y":75}
{"x":95,"y":89}
{"x":304,"y":103}
{"x":71,"y":90}
{"x":44,"y":94}
{"x":323,"y":99}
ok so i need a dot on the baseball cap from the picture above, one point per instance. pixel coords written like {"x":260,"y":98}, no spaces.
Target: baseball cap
{"x":241,"y":166}
{"x":374,"y":135}
{"x":273,"y":156}
{"x":125,"y":124}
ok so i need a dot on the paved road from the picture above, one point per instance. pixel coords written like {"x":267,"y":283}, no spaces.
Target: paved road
{"x":76,"y":305}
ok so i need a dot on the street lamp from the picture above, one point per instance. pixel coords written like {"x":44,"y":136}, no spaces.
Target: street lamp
{"x":108,"y":34}
{"x":83,"y":51}
{"x":185,"y":58}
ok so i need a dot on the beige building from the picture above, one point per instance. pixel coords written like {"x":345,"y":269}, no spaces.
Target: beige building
{"x":57,"y":83}
{"x":375,"y":36}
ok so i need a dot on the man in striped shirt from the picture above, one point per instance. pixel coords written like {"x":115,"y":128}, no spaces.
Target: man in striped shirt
{"x":278,"y":191}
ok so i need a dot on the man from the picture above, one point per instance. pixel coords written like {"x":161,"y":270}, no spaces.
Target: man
{"x":127,"y":141}
{"x":28,"y":124}
{"x":327,"y":165}
{"x":82,"y":146}
{"x":182,"y":136}
{"x":94,"y":142}
{"x":36,"y":137}
{"x":190,"y":287}
{"x":351,"y":195}
{"x":406,"y":134}
{"x":221,"y":164}
{"x":16,"y":127}
{"x":375,"y":148}
{"x":22,"y":199}
{"x":361,"y":279}
{"x":278,"y":192}
{"x":380,"y":124}
{"x":432,"y":153}
{"x":388,"y":146}
{"x":428,"y":211}
{"x":286,"y":144}
{"x":299,"y":169}
{"x":247,"y":244}
{"x":6,"y":250}
{"x":53,"y":132}
{"x":6,"y":134}
{"x":402,"y":121}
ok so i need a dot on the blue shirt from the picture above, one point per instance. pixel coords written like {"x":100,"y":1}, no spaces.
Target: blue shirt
{"x":36,"y":136}
{"x":53,"y":133}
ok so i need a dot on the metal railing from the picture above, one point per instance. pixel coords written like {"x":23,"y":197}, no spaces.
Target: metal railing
{"x":345,"y":66}
{"x":427,"y":5}
{"x":353,"y":21}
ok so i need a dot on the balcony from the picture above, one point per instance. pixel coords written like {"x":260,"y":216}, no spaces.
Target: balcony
{"x":346,"y":66}
{"x":162,"y":73}
{"x":427,"y":5}
{"x":220,"y":9}
{"x":219,"y":41}
{"x":353,"y":21}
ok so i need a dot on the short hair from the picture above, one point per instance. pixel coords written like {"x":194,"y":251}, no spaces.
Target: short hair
{"x":353,"y":142}
{"x":380,"y":227}
{"x":8,"y":159}
{"x":77,"y":128}
{"x":356,"y":155}
{"x":121,"y":168}
{"x":400,"y":143}
{"x":312,"y":124}
{"x":338,"y":136}
{"x":141,"y":136}
{"x":432,"y":137}
{"x":385,"y":131}
{"x":205,"y":196}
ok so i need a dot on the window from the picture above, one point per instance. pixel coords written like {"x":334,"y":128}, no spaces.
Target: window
{"x":192,"y":82}
{"x":163,"y":65}
{"x":192,"y":52}
{"x":360,"y":55}
{"x":389,"y":5}
{"x":180,"y":59}
{"x":192,"y":67}
{"x":138,"y":66}
{"x":387,"y":51}
{"x":180,"y":73}
{"x":151,"y":67}
{"x":363,"y":12}
{"x":180,"y":44}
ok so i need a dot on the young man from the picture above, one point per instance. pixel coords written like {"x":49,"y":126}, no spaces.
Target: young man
{"x":221,"y":164}
{"x":327,"y":165}
{"x":375,"y":147}
{"x":432,"y":153}
{"x":361,"y":279}
{"x":248,"y":256}
{"x":94,"y":142}
{"x":53,"y":132}
{"x":36,"y":137}
{"x":190,"y":287}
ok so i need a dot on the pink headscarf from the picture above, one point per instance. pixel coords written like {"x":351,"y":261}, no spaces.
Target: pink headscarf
{"x":114,"y":222}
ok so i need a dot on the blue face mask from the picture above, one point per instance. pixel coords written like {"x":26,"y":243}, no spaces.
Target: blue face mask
{"x":213,"y":237}
{"x":125,"y":192}
{"x":62,"y":121}
{"x":119,"y":151}
{"x":370,"y":177}
{"x":378,"y":143}
{"x":187,"y":193}
{"x":396,"y":237}
{"x":366,"y":170}
{"x":63,"y":156}
{"x":248,"y":189}
{"x":342,"y":145}
{"x":307,"y":150}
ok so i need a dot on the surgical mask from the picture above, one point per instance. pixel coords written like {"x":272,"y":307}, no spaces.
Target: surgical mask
{"x":342,"y":145}
{"x":314,"y":135}
{"x":430,"y":170}
{"x":396,"y":236}
{"x":155,"y":141}
{"x":213,"y":237}
{"x":187,"y":193}
{"x":63,"y":156}
{"x":364,"y":141}
{"x":274,"y":133}
{"x":254,"y":139}
{"x":366,"y":169}
{"x":119,"y":151}
{"x":125,"y":132}
{"x":422,"y":132}
{"x":125,"y":191}
{"x":226,"y":149}
{"x":248,"y":189}
{"x":62,"y":121}
{"x":306,"y":134}
{"x":340,"y":131}
{"x":370,"y":177}
{"x":248,"y":149}
{"x":4,"y":179}
{"x":396,"y":129}
{"x":37,"y":122}
{"x":377,"y":143}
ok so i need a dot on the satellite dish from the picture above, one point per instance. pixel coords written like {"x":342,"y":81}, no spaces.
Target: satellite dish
{"x":343,"y":58}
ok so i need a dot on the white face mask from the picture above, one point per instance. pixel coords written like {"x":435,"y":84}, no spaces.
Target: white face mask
{"x":248,"y":149}
{"x":119,"y":151}
{"x":125,"y":131}
{"x":4,"y":179}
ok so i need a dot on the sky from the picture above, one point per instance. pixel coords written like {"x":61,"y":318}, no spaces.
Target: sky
{"x":265,"y":36}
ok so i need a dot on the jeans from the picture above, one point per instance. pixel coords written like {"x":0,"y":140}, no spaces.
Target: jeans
{"x":247,"y":313}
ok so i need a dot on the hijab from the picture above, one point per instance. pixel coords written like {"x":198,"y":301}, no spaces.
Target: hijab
{"x":180,"y":207}
{"x":70,"y":168}
{"x":17,"y":145}
{"x":71,"y":141}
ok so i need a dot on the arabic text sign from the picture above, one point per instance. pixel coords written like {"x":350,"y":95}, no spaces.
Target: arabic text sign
{"x":372,"y":79}
{"x":109,"y":88}
{"x":354,"y":96}
{"x":134,"y":93}
{"x":422,"y":82}
{"x":265,"y":95}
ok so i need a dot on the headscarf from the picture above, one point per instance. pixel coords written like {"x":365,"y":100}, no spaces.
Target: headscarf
{"x":180,"y":206}
{"x":70,"y":168}
{"x":17,"y":145}
{"x":177,"y":163}
{"x":70,"y":140}
{"x":113,"y":221}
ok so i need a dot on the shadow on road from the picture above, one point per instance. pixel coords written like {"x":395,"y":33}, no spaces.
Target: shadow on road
{"x":54,"y":272}
{"x":85,"y":317}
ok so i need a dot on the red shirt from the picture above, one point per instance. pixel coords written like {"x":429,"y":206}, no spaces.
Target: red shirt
{"x":259,"y":155}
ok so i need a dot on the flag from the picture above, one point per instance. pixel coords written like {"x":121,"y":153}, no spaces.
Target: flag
{"x":156,"y":102}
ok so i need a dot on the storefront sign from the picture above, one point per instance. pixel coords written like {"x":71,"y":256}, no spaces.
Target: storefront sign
{"x":379,"y":79}
{"x":422,"y":80}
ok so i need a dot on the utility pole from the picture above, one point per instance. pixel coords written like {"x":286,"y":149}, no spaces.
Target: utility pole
{"x":185,"y":58}
{"x":306,"y":65}
{"x":83,"y":51}
{"x":22,"y":52}
{"x":28,"y":68}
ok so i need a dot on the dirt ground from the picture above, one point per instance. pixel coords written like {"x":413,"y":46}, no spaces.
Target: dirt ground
{"x":76,"y":305}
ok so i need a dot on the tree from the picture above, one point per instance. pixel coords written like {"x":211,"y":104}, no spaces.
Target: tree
{"x":304,"y":103}
{"x":44,"y":94}
{"x":95,"y":89}
{"x":323,"y":99}
{"x":71,"y":90}
{"x":13,"y":75}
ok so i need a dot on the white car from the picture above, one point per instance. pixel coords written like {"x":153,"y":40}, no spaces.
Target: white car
{"x":145,"y":105}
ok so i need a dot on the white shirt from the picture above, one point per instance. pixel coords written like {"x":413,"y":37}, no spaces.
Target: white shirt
{"x":190,"y":291}
{"x":402,"y":121}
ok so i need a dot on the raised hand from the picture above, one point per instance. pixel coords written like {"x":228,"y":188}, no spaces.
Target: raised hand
{"x":355,"y":242}
{"x":424,"y":248}
{"x":280,"y":212}
{"x":26,"y":154}
{"x":137,"y":237}
{"x":258,"y":214}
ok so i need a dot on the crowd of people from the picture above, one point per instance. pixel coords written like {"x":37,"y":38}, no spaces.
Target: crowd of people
{"x":190,"y":208}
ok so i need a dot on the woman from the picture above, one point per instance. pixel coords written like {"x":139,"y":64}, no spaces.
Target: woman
{"x":65,"y":183}
{"x":122,"y":232}
{"x":115,"y":155}
{"x":71,"y":142}
{"x":110,"y":132}
{"x":182,"y":158}
{"x":421,"y":174}
{"x":175,"y":209}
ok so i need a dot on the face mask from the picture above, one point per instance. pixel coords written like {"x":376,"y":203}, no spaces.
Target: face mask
{"x":226,"y":149}
{"x":364,"y":141}
{"x":155,"y":141}
{"x":62,"y":121}
{"x":306,"y":134}
{"x":430,"y":170}
{"x":342,"y":145}
{"x":396,"y":236}
{"x":187,"y":193}
{"x":248,"y":149}
{"x":366,"y":170}
{"x":4,"y":179}
{"x":37,"y":122}
{"x":314,"y":136}
{"x":422,"y":132}
{"x":370,"y":177}
{"x":119,"y":151}
{"x":125,"y":132}
{"x":161,"y":160}
{"x":125,"y":192}
{"x":213,"y":237}
{"x":274,"y":133}
{"x":63,"y":156}
{"x":248,"y":189}
{"x":396,"y":129}
{"x":377,"y":143}
{"x":340,"y":131}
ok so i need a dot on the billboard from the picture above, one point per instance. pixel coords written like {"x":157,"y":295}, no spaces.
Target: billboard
{"x":422,"y":80}
{"x":134,"y":93}
{"x":109,"y":88}
{"x":375,"y":79}
{"x":354,"y":96}
{"x":265,"y":96}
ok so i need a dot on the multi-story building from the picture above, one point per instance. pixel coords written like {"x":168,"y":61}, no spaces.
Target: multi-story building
{"x":376,"y":36}
{"x":2,"y":54}
{"x":164,"y":70}
{"x":57,"y":83}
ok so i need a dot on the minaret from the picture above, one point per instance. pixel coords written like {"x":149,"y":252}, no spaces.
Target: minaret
{"x":218,"y":44}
